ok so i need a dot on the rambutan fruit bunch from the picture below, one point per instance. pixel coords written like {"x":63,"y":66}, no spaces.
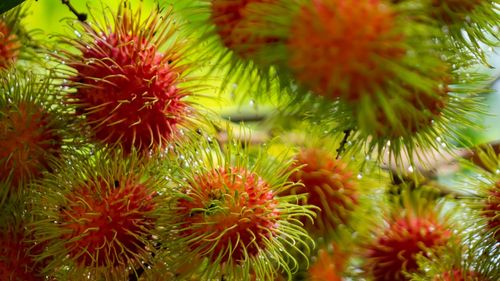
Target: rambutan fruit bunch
{"x":409,"y":231}
{"x":377,"y":65}
{"x":131,"y":77}
{"x":98,"y":215}
{"x":329,"y":185}
{"x":33,"y":130}
{"x":17,"y":262}
{"x":228,"y":214}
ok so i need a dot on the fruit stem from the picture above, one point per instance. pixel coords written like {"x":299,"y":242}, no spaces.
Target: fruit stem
{"x":80,"y":16}
{"x":341,"y":148}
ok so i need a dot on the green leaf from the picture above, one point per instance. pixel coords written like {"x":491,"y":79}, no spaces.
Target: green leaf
{"x":6,"y":5}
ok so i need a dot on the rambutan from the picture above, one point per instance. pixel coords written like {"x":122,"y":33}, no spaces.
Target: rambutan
{"x":337,"y":51}
{"x":31,"y":133}
{"x":329,"y":185}
{"x":459,"y":275}
{"x":491,"y":209}
{"x":16,"y":255}
{"x":328,"y":265}
{"x":395,"y":251}
{"x":238,"y":29}
{"x":128,"y":78}
{"x":99,"y":214}
{"x":9,"y":46}
{"x":242,"y":224}
{"x":228,"y":215}
{"x":452,"y":11}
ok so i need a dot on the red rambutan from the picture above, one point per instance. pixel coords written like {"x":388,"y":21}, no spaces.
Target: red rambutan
{"x":491,"y":209}
{"x":128,"y":84}
{"x":31,"y":133}
{"x":395,"y":251}
{"x":237,"y":27}
{"x":16,"y":260}
{"x":229,"y":216}
{"x":9,"y":46}
{"x":459,"y":275}
{"x":99,"y":214}
{"x":241,"y":214}
{"x":106,"y":223}
{"x":338,"y":51}
{"x":328,"y":184}
{"x":452,"y":11}
{"x":328,"y":266}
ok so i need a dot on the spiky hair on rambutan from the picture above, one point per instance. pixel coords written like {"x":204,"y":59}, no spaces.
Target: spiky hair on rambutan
{"x":228,"y":215}
{"x":17,"y":262}
{"x":329,"y":184}
{"x":471,"y":24}
{"x":33,"y":129}
{"x":483,"y":189}
{"x":235,"y":34}
{"x":329,"y":264}
{"x":10,"y":41}
{"x":376,"y":68}
{"x":464,"y":261}
{"x":415,"y":228}
{"x":98,"y":215}
{"x":131,"y":75}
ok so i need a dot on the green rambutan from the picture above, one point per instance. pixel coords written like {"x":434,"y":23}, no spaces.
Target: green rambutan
{"x":329,"y":185}
{"x":129,"y":75}
{"x":229,"y":215}
{"x":31,"y":131}
{"x":98,"y":215}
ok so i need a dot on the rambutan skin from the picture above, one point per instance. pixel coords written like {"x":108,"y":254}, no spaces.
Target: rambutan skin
{"x":459,"y":275}
{"x":337,"y":51}
{"x":28,"y":138}
{"x":395,"y":251}
{"x":329,"y":185}
{"x":453,"y":11}
{"x":9,"y":46}
{"x":128,"y":85}
{"x":103,"y":220}
{"x":237,"y":213}
{"x":16,"y":261}
{"x":491,"y":209}
{"x":237,"y":27}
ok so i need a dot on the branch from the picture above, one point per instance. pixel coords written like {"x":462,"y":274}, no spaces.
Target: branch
{"x":80,"y":16}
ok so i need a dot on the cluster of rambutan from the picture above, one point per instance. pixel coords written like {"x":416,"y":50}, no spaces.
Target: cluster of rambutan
{"x":109,"y":169}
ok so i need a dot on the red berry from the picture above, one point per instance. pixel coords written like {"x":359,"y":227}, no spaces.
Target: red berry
{"x":237,"y":27}
{"x":128,"y":85}
{"x":395,"y":250}
{"x":105,"y":223}
{"x":338,"y":51}
{"x":9,"y":46}
{"x":329,"y":184}
{"x":232,"y":211}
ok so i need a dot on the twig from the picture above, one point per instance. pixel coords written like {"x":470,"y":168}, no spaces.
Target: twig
{"x":341,"y":148}
{"x":80,"y":16}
